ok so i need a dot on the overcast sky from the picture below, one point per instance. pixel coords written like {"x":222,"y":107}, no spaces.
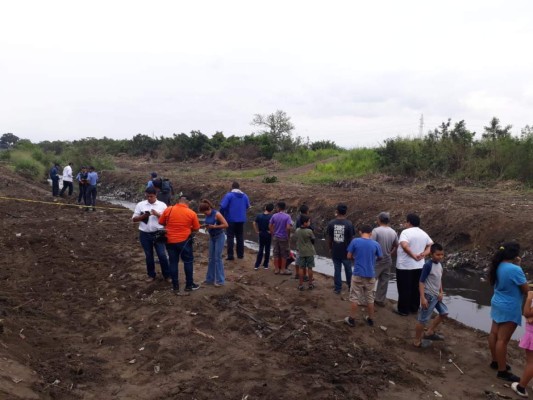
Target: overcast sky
{"x":356,"y":72}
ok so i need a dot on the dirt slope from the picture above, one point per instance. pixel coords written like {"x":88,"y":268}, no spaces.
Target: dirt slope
{"x":79,"y":322}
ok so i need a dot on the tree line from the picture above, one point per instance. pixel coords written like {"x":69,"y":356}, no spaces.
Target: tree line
{"x":449,"y":150}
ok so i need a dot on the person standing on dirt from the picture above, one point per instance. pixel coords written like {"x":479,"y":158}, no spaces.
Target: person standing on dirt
{"x":147,"y":213}
{"x":67,"y":180}
{"x":305,"y":243}
{"x":215,"y":225}
{"x":304,"y":212}
{"x":388,"y":240}
{"x":280,"y":229}
{"x":54,"y":176}
{"x":233,"y":207}
{"x":153,"y":177}
{"x":364,"y":251}
{"x":340,"y":232}
{"x":510,"y":286}
{"x":261,"y":224}
{"x":414,"y":246}
{"x":81,"y":178}
{"x":92,"y":180}
{"x":180,"y":223}
{"x":165,"y":190}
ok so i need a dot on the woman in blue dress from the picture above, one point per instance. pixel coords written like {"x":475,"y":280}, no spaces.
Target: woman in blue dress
{"x":510,"y":286}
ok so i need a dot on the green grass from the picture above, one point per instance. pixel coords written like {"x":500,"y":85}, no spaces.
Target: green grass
{"x":24,"y":164}
{"x":304,"y":157}
{"x":249,"y":173}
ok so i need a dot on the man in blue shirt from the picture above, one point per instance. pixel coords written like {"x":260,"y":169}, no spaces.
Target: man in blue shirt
{"x":54,"y":176}
{"x":233,"y":207}
{"x":92,"y":180}
{"x":364,"y":251}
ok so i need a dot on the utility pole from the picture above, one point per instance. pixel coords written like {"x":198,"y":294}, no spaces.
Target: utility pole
{"x":421,"y":126}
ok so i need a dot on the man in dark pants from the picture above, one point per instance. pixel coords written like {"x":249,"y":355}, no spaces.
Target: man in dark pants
{"x":233,"y":207}
{"x":261,"y":226}
{"x":414,"y":245}
{"x":54,"y":176}
{"x":147,"y":213}
{"x":90,"y":195}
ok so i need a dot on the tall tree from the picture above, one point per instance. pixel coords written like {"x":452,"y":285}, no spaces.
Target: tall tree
{"x":495,"y":131}
{"x":277,"y":126}
{"x":8,"y":140}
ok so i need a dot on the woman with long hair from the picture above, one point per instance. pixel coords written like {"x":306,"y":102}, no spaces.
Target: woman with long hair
{"x":215,"y":223}
{"x":510,"y":285}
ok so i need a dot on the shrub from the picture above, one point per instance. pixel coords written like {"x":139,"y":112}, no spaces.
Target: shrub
{"x":29,"y":168}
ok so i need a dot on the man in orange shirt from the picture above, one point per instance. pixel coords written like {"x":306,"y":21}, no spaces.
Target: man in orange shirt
{"x":180,"y":223}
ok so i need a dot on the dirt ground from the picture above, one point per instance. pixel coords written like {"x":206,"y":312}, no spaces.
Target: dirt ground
{"x":77,"y":320}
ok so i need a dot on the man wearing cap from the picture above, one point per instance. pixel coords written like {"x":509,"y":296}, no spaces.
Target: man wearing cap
{"x":233,"y":207}
{"x":180,"y":223}
{"x":54,"y":176}
{"x":388,"y":240}
{"x":150,"y":183}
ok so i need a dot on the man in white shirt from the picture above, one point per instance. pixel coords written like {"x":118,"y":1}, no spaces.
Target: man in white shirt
{"x":67,"y":180}
{"x":414,"y":246}
{"x":147,"y":213}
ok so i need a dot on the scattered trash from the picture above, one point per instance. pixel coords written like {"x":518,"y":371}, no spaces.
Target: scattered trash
{"x":383,"y":328}
{"x":157,"y":368}
{"x":213,"y":377}
{"x":392,"y":383}
{"x":16,"y":380}
{"x":349,"y":355}
{"x":335,"y":364}
{"x":132,"y":361}
{"x":437,"y":394}
{"x":141,"y":348}
{"x":456,"y":366}
{"x":18,"y":235}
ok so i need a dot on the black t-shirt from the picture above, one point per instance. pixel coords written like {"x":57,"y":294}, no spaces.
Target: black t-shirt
{"x":262,"y":221}
{"x":341,"y":233}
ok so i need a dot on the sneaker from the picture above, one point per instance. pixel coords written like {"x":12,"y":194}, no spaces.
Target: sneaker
{"x":169,"y":280}
{"x":337,"y":291}
{"x":150,"y":279}
{"x":379,"y":303}
{"x":507,"y":376}
{"x":230,"y":258}
{"x":176,"y":290}
{"x":256,"y":268}
{"x":311,"y":286}
{"x":301,"y":287}
{"x":494,"y":365}
{"x":369,"y":321}
{"x":194,"y":286}
{"x":519,"y":390}
{"x":349,"y":321}
{"x":266,"y":267}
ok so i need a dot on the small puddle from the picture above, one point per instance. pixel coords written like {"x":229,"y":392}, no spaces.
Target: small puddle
{"x":466,"y":294}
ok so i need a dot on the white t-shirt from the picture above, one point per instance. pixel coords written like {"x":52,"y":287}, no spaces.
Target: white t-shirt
{"x":417,"y":240}
{"x":67,"y":174}
{"x":152,"y":224}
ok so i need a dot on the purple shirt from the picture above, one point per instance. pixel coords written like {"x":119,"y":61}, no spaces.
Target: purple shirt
{"x":280,"y":221}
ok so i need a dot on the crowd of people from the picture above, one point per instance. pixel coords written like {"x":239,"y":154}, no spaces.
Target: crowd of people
{"x":87,"y":179}
{"x":366,"y":261}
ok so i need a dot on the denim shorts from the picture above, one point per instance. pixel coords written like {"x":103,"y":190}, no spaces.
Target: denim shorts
{"x":424,"y":315}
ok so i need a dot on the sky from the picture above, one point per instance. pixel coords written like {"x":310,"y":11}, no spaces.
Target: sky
{"x":354,"y":72}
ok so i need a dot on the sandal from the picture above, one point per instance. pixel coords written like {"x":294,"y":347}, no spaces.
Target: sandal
{"x":434,"y":336}
{"x":276,"y":272}
{"x":285,"y":273}
{"x":424,"y":344}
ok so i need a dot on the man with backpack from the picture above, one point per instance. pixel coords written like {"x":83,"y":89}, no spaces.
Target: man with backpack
{"x":163,"y":187}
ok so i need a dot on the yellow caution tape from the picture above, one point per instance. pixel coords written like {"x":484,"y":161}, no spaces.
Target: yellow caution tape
{"x":64,"y":204}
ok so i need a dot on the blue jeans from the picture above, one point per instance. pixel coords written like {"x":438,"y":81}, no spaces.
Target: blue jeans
{"x":235,"y":231}
{"x":215,"y":267}
{"x":148,"y":244}
{"x":90,"y":195}
{"x":175,"y":251}
{"x":424,"y":315}
{"x":265,"y":241}
{"x":338,"y":263}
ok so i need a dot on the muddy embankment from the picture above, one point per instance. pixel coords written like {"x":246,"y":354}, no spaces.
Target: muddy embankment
{"x":470,"y":222}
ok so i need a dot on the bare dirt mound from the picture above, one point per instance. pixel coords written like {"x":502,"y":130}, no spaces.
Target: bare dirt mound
{"x":77,"y":320}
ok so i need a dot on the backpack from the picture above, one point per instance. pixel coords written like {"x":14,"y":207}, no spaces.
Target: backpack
{"x":165,"y":186}
{"x":157,"y":183}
